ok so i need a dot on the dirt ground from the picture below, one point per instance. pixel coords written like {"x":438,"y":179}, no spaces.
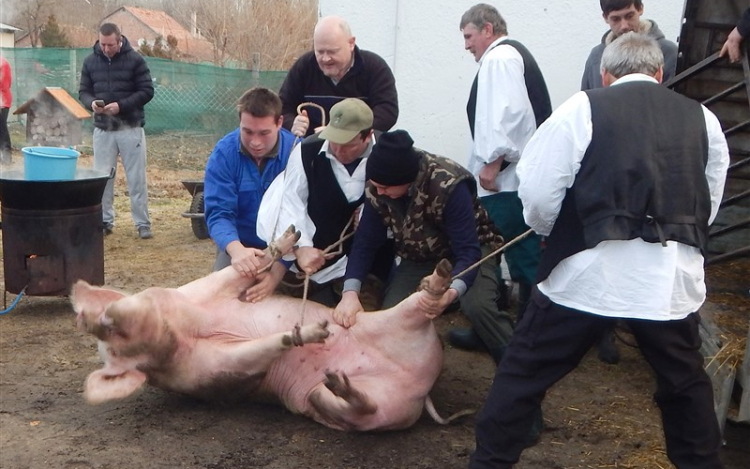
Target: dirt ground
{"x":600,"y":416}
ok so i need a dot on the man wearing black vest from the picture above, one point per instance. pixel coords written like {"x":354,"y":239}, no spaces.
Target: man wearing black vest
{"x":625,"y":203}
{"x":323,"y":188}
{"x":508,"y":101}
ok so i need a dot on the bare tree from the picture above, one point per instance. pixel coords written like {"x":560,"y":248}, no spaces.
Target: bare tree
{"x":33,"y":15}
{"x":278,"y":30}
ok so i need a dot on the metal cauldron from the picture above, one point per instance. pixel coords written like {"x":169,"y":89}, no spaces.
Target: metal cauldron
{"x":52,"y":232}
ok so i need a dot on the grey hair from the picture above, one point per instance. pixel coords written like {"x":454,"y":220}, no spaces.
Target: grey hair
{"x":482,"y":13}
{"x":632,"y":53}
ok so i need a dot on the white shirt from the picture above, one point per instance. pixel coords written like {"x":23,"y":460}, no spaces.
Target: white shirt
{"x":504,"y":119}
{"x":285,"y":203}
{"x":628,"y":279}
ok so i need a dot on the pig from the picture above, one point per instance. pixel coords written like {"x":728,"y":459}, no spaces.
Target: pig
{"x":201,"y":340}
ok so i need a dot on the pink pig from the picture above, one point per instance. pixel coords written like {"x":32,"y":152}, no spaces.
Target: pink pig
{"x":201,"y":340}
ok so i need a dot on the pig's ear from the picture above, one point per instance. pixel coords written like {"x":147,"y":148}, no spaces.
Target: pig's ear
{"x":103,"y":386}
{"x":85,"y":297}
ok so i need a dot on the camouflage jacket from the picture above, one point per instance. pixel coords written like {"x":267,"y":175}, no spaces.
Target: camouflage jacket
{"x":418,"y":229}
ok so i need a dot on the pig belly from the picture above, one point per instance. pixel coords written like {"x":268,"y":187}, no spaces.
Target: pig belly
{"x":397,"y":385}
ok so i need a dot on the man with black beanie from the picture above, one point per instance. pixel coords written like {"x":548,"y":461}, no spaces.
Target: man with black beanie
{"x":430,"y":205}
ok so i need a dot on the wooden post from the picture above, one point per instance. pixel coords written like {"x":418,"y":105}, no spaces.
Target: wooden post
{"x":743,"y":376}
{"x":256,"y":68}
{"x":73,"y":70}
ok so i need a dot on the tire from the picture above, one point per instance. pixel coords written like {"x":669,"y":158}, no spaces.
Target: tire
{"x":200,"y":230}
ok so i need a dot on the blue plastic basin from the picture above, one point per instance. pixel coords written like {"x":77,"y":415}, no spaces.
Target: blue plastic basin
{"x":49,"y":163}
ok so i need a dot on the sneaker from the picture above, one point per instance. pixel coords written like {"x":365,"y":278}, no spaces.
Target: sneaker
{"x":144,"y":232}
{"x":108,"y":228}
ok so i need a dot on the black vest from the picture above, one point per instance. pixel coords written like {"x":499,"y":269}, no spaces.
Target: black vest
{"x":643,"y":174}
{"x":327,"y":205}
{"x":535,"y":87}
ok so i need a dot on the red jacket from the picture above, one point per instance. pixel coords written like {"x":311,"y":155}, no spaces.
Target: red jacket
{"x":6,"y":79}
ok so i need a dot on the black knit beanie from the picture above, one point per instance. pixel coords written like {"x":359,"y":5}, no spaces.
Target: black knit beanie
{"x":393,"y":161}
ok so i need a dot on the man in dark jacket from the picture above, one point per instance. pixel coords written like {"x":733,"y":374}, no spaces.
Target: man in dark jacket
{"x":334,"y":70}
{"x":430,"y":205}
{"x":116,"y":84}
{"x":624,"y":16}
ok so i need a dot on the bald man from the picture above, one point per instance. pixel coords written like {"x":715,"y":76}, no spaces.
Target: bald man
{"x":336,"y":69}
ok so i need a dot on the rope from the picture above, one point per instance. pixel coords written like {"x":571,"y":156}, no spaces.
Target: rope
{"x":297,"y":140}
{"x":304,"y":300}
{"x":339,"y":244}
{"x":492,"y":254}
{"x":15,"y":301}
{"x":315,"y":105}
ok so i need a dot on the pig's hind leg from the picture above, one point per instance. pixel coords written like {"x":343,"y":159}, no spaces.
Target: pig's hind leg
{"x":345,"y":406}
{"x":341,"y":387}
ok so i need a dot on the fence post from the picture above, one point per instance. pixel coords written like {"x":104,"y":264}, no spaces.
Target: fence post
{"x":73,"y":71}
{"x":256,"y":68}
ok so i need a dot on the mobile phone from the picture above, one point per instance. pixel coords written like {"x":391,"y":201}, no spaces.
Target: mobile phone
{"x":99,"y":102}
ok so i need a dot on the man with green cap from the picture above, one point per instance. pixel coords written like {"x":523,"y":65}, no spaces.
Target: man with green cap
{"x":430,"y":205}
{"x":323,"y":187}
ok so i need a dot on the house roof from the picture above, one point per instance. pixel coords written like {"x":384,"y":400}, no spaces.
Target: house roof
{"x":164,"y":25}
{"x":59,"y":95}
{"x":7,"y":27}
{"x":78,"y":35}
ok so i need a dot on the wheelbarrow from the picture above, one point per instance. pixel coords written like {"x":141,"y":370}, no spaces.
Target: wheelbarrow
{"x":197,"y":208}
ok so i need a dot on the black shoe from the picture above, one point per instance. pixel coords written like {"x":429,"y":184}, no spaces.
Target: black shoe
{"x":466,"y":339}
{"x":108,"y":228}
{"x":535,"y":431}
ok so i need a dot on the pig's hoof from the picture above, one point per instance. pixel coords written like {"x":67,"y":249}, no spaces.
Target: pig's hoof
{"x":339,"y":386}
{"x":297,"y":336}
{"x":310,"y":334}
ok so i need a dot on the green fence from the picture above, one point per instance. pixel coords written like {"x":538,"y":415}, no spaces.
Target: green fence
{"x":188,"y":97}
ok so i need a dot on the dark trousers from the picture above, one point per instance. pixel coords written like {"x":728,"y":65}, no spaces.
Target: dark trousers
{"x":493,"y":326}
{"x":551,"y":340}
{"x":4,"y":135}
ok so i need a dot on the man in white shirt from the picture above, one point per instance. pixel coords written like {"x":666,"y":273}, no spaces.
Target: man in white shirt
{"x":323,"y":189}
{"x":508,"y":100}
{"x":624,"y":182}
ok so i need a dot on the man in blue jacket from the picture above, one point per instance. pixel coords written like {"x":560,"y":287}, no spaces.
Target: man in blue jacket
{"x":239,"y":171}
{"x":116,"y":85}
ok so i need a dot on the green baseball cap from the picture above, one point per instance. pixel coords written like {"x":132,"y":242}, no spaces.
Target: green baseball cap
{"x":347,"y":118}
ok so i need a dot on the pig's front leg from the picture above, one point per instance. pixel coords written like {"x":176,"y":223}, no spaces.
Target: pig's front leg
{"x":256,"y":356}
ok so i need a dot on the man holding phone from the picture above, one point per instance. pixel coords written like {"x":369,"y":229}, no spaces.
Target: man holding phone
{"x":116,"y":85}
